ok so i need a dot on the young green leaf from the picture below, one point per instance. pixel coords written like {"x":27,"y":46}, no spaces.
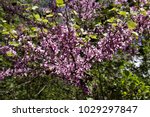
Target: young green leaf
{"x":131,"y":25}
{"x":111,"y":20}
{"x":34,"y":7}
{"x":9,"y":53}
{"x":123,"y":13}
{"x":37,"y":16}
{"x":93,"y":36}
{"x":13,"y":43}
{"x":60,"y":3}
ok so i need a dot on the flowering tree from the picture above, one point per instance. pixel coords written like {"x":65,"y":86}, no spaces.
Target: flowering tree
{"x":68,"y":40}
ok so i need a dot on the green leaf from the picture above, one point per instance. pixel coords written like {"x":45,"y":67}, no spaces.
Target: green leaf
{"x":34,"y":29}
{"x":45,"y":30}
{"x":76,"y":26}
{"x":98,"y":24}
{"x":37,"y":16}
{"x":123,"y":13}
{"x":135,"y":34}
{"x":114,"y":24}
{"x":75,"y":12}
{"x":105,"y":34}
{"x":113,"y":9}
{"x":131,"y":24}
{"x":88,"y":98}
{"x":93,"y":36}
{"x":9,"y":53}
{"x":111,"y":20}
{"x":60,"y":14}
{"x":5,"y":32}
{"x":34,"y":7}
{"x":124,"y":93}
{"x":126,"y":73}
{"x":50,"y":15}
{"x":143,"y":11}
{"x":45,"y":20}
{"x":13,"y":43}
{"x":1,"y":58}
{"x":60,"y":3}
{"x":4,"y":21}
{"x":13,"y":31}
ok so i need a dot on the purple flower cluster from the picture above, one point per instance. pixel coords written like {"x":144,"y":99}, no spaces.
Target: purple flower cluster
{"x":86,"y":9}
{"x":67,"y":55}
{"x":142,"y":2}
